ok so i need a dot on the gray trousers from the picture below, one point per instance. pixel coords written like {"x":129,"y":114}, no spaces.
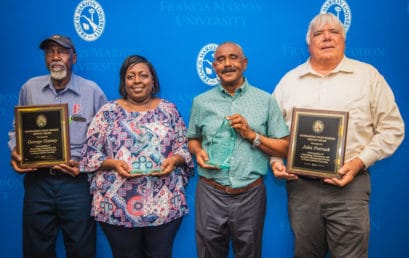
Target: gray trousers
{"x":221,"y":217}
{"x":330,"y":218}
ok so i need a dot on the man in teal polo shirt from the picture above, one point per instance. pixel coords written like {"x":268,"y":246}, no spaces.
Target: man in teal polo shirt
{"x":231,"y":200}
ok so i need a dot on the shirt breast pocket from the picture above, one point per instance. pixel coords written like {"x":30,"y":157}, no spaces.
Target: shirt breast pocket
{"x":78,"y":129}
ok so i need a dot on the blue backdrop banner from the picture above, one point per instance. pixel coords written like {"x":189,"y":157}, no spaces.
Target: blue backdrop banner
{"x":179,"y":37}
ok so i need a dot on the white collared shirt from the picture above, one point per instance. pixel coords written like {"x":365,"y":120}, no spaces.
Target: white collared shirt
{"x":375,"y":126}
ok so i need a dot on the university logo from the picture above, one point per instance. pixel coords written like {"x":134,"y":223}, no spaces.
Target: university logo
{"x":204,"y":65}
{"x":339,"y":8}
{"x":89,"y":20}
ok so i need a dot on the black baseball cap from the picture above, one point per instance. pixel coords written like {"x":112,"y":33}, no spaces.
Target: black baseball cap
{"x":63,"y":41}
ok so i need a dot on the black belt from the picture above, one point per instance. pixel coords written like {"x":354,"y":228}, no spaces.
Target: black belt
{"x":50,"y":171}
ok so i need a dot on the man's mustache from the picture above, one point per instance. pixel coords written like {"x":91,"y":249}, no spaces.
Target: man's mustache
{"x":228,"y":70}
{"x":57,"y":63}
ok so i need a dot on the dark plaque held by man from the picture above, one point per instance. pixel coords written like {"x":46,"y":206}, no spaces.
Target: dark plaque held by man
{"x":42,"y":135}
{"x":317,"y":142}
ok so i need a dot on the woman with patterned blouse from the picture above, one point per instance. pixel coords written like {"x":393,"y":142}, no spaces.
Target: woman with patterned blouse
{"x":137,"y":147}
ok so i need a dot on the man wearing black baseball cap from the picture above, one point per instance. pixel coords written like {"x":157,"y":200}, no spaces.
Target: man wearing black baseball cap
{"x":58,"y":197}
{"x":60,"y":40}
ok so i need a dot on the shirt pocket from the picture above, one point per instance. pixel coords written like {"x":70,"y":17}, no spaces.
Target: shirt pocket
{"x":78,"y":128}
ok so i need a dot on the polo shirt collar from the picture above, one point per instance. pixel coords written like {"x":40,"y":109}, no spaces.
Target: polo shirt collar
{"x":239,"y":91}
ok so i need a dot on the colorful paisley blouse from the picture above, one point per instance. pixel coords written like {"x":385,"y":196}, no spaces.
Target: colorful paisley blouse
{"x":143,"y":139}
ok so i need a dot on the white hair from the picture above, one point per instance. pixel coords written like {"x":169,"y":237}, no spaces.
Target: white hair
{"x":321,"y":20}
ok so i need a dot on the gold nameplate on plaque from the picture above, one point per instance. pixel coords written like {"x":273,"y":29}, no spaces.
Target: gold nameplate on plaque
{"x":42,"y":135}
{"x":317,"y":142}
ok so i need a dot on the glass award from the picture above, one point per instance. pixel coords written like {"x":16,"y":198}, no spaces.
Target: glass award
{"x":144,"y":166}
{"x":147,"y":155}
{"x":221,"y":146}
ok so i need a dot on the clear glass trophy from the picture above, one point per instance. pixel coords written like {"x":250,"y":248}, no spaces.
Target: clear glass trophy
{"x":148,"y":155}
{"x":144,"y":166}
{"x":221,"y":146}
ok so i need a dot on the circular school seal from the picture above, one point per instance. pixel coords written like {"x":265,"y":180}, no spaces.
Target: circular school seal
{"x":204,"y":65}
{"x":339,"y":8}
{"x":318,"y":126}
{"x":89,"y":20}
{"x":41,"y":121}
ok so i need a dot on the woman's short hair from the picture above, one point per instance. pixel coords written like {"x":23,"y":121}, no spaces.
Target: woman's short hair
{"x":129,"y":62}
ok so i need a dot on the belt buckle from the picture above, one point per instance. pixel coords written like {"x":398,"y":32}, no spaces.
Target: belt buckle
{"x":229,"y":190}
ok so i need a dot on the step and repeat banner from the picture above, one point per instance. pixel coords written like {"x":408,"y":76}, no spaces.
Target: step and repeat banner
{"x":179,"y":37}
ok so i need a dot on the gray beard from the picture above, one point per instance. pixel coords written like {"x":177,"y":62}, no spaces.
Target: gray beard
{"x":58,"y":75}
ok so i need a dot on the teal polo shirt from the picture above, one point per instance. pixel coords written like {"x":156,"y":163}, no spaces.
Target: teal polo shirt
{"x":263,"y":115}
